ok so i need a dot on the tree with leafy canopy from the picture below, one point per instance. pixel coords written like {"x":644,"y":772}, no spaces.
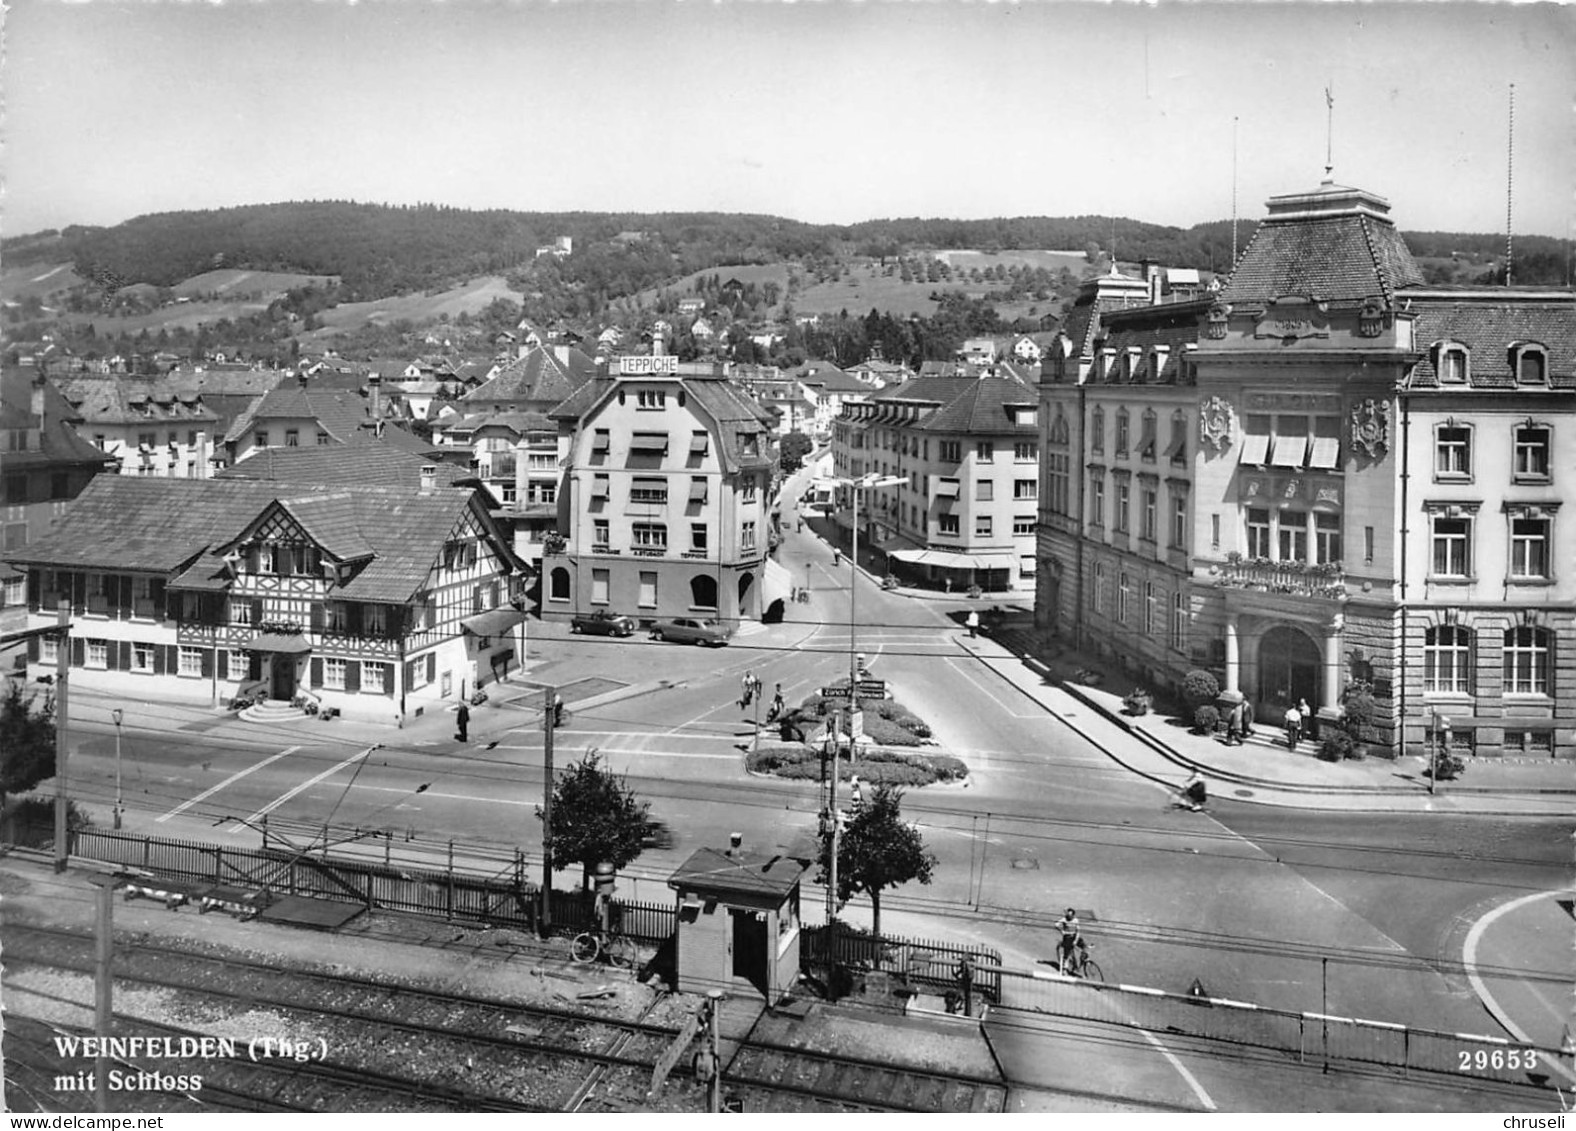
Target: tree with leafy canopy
{"x":795,"y":446}
{"x":877,"y":850}
{"x":596,"y":817}
{"x":27,"y":741}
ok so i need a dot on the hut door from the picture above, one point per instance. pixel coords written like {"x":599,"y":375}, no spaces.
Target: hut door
{"x":749,"y":947}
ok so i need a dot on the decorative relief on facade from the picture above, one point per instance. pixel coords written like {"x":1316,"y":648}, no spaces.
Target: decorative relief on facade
{"x":1215,"y":324}
{"x":1217,"y":423}
{"x":1371,"y":427}
{"x":1370,"y":320}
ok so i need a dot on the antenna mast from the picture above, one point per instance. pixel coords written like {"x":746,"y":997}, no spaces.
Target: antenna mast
{"x":1329,"y":130}
{"x":1233,"y":192}
{"x":1510,"y":178}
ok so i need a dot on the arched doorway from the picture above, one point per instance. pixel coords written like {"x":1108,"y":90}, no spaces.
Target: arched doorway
{"x":746,"y":583}
{"x":703,"y":591}
{"x":1289,"y":669}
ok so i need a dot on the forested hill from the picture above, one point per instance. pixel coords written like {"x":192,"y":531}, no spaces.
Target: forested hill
{"x":382,"y":250}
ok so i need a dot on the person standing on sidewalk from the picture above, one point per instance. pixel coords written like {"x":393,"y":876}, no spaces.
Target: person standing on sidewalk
{"x":746,"y":690}
{"x":973,"y":621}
{"x":1293,"y":727}
{"x":462,"y":721}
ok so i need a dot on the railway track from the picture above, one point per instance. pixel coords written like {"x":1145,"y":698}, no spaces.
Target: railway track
{"x":453,"y":1052}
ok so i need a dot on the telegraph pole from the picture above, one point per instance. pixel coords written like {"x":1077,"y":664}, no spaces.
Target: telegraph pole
{"x":62,"y":714}
{"x":549,"y":704}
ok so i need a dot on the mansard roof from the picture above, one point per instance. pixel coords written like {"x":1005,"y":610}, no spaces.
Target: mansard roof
{"x":1489,"y":323}
{"x":61,"y":444}
{"x":1335,"y":244}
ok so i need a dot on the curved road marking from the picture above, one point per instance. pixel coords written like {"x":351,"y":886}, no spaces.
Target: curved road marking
{"x":1469,"y":961}
{"x":1192,"y":1081}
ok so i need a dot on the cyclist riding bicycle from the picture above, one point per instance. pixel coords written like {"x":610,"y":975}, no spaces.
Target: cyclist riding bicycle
{"x":1072,"y":939}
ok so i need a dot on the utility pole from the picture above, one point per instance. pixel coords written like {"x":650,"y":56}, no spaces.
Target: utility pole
{"x":549,"y":704}
{"x":117,"y":714}
{"x":103,"y":985}
{"x":713,"y":1041}
{"x":62,"y":714}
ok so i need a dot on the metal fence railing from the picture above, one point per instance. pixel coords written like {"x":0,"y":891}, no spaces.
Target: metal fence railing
{"x":1312,"y":1037}
{"x":919,"y":962}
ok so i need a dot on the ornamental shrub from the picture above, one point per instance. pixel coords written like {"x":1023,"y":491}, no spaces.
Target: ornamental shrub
{"x":1336,"y":745}
{"x":1206,"y":719}
{"x":1199,"y":687}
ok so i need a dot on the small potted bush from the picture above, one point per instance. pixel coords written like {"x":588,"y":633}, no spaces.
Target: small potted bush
{"x":1206,"y":719}
{"x":1336,"y":745}
{"x":1138,"y":702}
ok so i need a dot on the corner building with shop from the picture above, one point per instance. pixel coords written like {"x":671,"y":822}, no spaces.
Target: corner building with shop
{"x":1372,"y":492}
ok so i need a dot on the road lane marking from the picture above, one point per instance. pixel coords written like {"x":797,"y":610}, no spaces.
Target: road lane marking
{"x":235,"y":777}
{"x":1192,"y":1081}
{"x":1041,"y":713}
{"x":1469,"y":963}
{"x":308,"y":784}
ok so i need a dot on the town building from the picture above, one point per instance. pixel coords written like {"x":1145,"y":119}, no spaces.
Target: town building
{"x":1375,"y":495}
{"x":148,"y":426}
{"x":379,"y":602}
{"x":967,"y":449}
{"x":667,"y":509}
{"x":47,"y":464}
{"x":519,"y":457}
{"x":297,"y":413}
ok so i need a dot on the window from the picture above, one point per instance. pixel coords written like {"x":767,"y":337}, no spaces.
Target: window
{"x":648,"y":589}
{"x":1123,"y":498}
{"x":375,"y":618}
{"x":1447,"y":660}
{"x":1529,"y":547}
{"x":750,"y":443}
{"x":508,"y":494}
{"x":985,"y":490}
{"x":98,"y":653}
{"x":951,"y":451}
{"x":599,"y":533}
{"x":1025,"y":489}
{"x":698,"y":536}
{"x":1148,"y":438}
{"x":1176,"y":451}
{"x":648,"y":491}
{"x":650,"y":398}
{"x":1527,"y":651}
{"x":1214,"y":531}
{"x":1531,"y":365}
{"x":601,"y":440}
{"x":1531,"y":452}
{"x":1097,"y":431}
{"x":1452,"y":452}
{"x":1023,"y":524}
{"x":260,"y":438}
{"x":1293,"y":536}
{"x":1258,"y":533}
{"x":1121,"y":432}
{"x":189,"y":661}
{"x":334,"y":673}
{"x":947,"y":524}
{"x":648,"y":536}
{"x":601,"y":579}
{"x":982,"y":526}
{"x":1097,"y":500}
{"x":292,"y":438}
{"x":601,"y":486}
{"x":49,"y":650}
{"x":984,"y":451}
{"x":558,"y":584}
{"x":1124,"y":593}
{"x":1450,"y":363}
{"x":323,"y":439}
{"x":747,"y":536}
{"x":1151,"y":609}
{"x":1452,"y":546}
{"x":1025,"y":451}
{"x":373,"y":678}
{"x":539,"y":492}
{"x":1151,"y":516}
{"x":1058,"y":476}
{"x":1179,"y":522}
{"x":1327,"y":538}
{"x":1179,"y":622}
{"x":1368,"y":545}
{"x":1099,"y":587}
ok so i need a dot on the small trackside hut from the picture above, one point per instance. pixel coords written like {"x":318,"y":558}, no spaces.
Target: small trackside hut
{"x":738,"y":921}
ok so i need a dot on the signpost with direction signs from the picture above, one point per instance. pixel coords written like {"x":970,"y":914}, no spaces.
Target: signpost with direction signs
{"x":868,"y":689}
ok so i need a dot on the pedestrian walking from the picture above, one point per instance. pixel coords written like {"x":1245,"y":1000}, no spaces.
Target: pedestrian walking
{"x":1309,"y":720}
{"x":777,"y":704}
{"x":1247,"y":718}
{"x":746,"y":690}
{"x":558,"y":711}
{"x":1293,"y":727}
{"x":755,"y":686}
{"x":1234,"y":726}
{"x":973,"y":621}
{"x":856,"y":793}
{"x":462,"y":721}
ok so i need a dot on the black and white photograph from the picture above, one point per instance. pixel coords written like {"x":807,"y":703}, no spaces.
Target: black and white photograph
{"x":649,"y":557}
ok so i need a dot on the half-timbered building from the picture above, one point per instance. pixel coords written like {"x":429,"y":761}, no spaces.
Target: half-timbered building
{"x":379,"y":602}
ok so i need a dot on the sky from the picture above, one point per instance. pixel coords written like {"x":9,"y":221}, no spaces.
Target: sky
{"x":825,"y":111}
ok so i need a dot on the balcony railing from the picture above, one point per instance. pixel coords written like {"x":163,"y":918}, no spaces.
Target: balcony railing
{"x":1301,"y":579}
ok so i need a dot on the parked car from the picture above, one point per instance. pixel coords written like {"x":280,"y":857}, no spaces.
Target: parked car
{"x":603,"y":623}
{"x":656,"y":834}
{"x":690,"y":630}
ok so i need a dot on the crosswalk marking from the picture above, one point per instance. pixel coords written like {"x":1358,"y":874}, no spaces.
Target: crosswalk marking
{"x":235,"y":777}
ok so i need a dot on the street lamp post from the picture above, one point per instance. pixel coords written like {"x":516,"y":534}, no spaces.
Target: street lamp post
{"x":117,"y":714}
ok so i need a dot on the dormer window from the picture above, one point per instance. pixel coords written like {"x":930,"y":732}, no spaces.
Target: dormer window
{"x":1530,"y":363}
{"x":1450,"y":363}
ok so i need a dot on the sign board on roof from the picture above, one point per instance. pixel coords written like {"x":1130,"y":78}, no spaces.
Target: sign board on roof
{"x":644,"y":366}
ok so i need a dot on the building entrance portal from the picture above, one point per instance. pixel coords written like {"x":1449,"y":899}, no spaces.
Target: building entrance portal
{"x":284,"y":678}
{"x":1289,"y":669}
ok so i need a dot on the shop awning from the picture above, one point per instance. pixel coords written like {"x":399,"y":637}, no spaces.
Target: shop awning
{"x":947,"y":560}
{"x":289,"y":643}
{"x":494,"y":622}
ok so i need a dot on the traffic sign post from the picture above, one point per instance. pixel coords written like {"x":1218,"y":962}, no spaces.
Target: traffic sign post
{"x":835,"y":693}
{"x":872,"y":689}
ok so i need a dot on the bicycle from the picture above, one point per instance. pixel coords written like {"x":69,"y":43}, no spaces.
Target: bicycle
{"x":1082,"y":966}
{"x":590,"y":945}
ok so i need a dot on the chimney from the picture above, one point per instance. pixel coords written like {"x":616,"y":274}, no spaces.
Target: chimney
{"x":429,"y":479}
{"x":37,"y":406}
{"x":735,"y":841}
{"x":375,"y":393}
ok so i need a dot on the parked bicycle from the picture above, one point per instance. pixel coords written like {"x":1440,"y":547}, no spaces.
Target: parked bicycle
{"x":588,"y":946}
{"x":1078,"y":965}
